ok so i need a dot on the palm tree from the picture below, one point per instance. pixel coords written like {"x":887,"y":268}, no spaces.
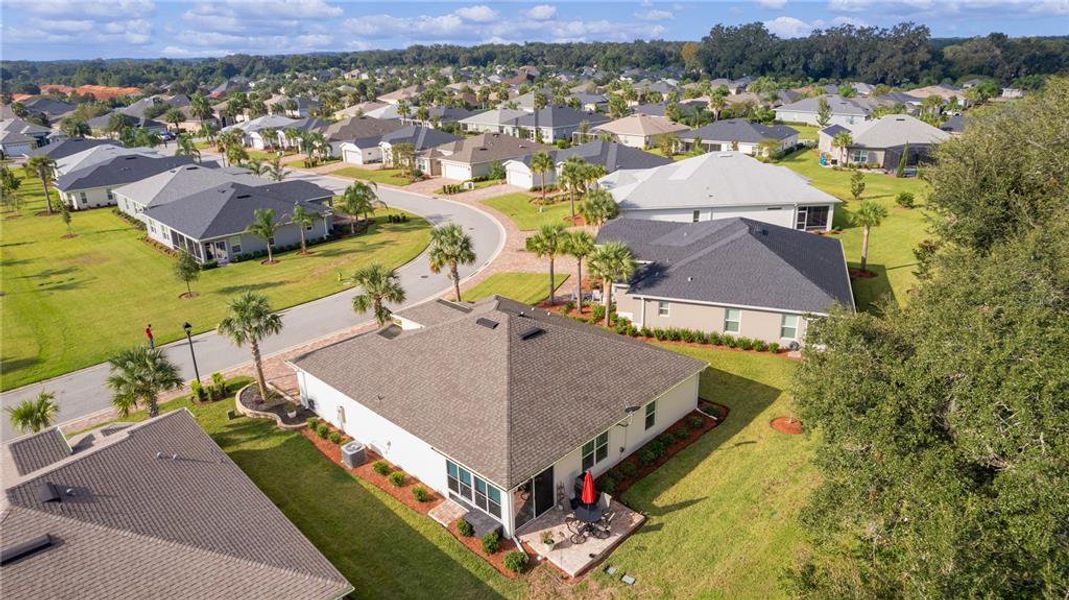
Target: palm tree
{"x":870,"y":214}
{"x":186,"y":147}
{"x":43,"y":167}
{"x":360,"y":198}
{"x":34,"y":415}
{"x":450,"y":248}
{"x":74,"y":128}
{"x":598,"y":207}
{"x":294,"y":137}
{"x":270,"y":136}
{"x":250,"y":319}
{"x":274,"y":169}
{"x":579,"y":244}
{"x":549,"y":243}
{"x":264,"y":227}
{"x":717,"y":103}
{"x":199,"y":107}
{"x":302,"y":218}
{"x":174,"y":116}
{"x":841,"y":141}
{"x":611,"y":262}
{"x":541,"y":163}
{"x":572,"y":176}
{"x":379,"y":285}
{"x":138,"y":376}
{"x":208,"y":130}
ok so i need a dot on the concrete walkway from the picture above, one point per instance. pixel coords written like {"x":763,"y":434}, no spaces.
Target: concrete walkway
{"x":83,"y":393}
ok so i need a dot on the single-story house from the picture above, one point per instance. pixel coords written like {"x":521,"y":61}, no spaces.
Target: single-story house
{"x":93,"y":186}
{"x":844,"y":111}
{"x":421,"y":138}
{"x":943,"y":90}
{"x":720,"y":185}
{"x":741,"y":135}
{"x":98,"y":153}
{"x":640,"y":130}
{"x":357,"y":128}
{"x":210,"y":224}
{"x":49,"y":107}
{"x":179,"y":182}
{"x":406,"y":94}
{"x":102,"y":123}
{"x":472,"y":157}
{"x":148,"y":510}
{"x":250,"y":130}
{"x":436,"y":115}
{"x":491,"y":121}
{"x":555,"y":123}
{"x":735,"y":276}
{"x":456,"y":396}
{"x":19,"y":137}
{"x":63,"y":148}
{"x":882,"y":142}
{"x":591,"y":102}
{"x":613,"y":156}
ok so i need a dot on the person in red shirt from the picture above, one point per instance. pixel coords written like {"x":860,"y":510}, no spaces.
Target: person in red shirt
{"x":151,"y":339}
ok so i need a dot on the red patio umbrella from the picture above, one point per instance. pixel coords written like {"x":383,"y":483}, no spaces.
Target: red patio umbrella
{"x":589,"y":495}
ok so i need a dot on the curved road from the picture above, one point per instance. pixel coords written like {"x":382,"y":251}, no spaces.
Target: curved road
{"x":83,"y":392}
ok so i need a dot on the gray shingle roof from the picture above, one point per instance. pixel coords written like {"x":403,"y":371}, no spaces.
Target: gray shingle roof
{"x":183,"y":181}
{"x":502,"y":405}
{"x":65,"y":148}
{"x":735,"y":261}
{"x":357,"y":128}
{"x":419,"y":136}
{"x":740,"y":130}
{"x":837,"y":104}
{"x":139,"y":526}
{"x":555,"y":117}
{"x":891,"y":131}
{"x":611,"y":155}
{"x":119,"y":171}
{"x":487,"y":147}
{"x":228,"y":209}
{"x":36,"y":451}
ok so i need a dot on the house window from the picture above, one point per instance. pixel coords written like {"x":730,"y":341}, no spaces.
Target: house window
{"x":595,"y":451}
{"x":788,"y":327}
{"x":812,"y":217}
{"x":84,"y":199}
{"x":859,"y":156}
{"x":235,"y":245}
{"x":662,"y":309}
{"x":732,"y":320}
{"x":110,"y":197}
{"x":651,"y":414}
{"x":473,"y":488}
{"x":487,"y":497}
{"x":696,"y":216}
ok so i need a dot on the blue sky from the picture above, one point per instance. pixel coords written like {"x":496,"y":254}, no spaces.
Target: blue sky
{"x":63,"y":29}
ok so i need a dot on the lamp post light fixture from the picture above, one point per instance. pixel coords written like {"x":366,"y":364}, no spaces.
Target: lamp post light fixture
{"x":189,"y":338}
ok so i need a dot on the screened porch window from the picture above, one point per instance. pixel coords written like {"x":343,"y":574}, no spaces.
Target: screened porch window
{"x":473,"y":488}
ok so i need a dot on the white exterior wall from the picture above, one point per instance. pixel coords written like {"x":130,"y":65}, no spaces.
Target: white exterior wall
{"x":810,"y":118}
{"x":784,"y":216}
{"x":94,"y":198}
{"x":457,"y":171}
{"x":360,"y":156}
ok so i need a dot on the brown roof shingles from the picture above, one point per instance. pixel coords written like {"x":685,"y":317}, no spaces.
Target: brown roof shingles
{"x":38,"y":450}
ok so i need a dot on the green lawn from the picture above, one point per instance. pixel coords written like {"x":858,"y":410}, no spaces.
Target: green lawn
{"x":891,"y":244}
{"x":387,"y":176}
{"x":71,"y":303}
{"x":529,"y":288}
{"x":805,"y":132}
{"x":526,"y":215}
{"x":674,"y":157}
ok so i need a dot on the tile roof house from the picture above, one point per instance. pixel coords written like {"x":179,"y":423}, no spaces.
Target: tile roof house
{"x":554,"y":122}
{"x":844,"y":111}
{"x":152,"y":510}
{"x":640,"y":130}
{"x":497,"y":405}
{"x":734,"y":275}
{"x":92,"y":186}
{"x":741,"y":135}
{"x":472,"y":157}
{"x":720,"y":185}
{"x":210,"y":224}
{"x":613,"y":156}
{"x":883,"y":142}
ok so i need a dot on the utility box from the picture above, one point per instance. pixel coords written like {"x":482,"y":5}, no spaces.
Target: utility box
{"x":353,"y":454}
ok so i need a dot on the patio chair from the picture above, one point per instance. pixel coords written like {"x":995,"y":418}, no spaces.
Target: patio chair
{"x":603,"y":528}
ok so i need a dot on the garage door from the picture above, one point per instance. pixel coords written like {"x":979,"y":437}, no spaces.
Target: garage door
{"x":352,"y":157}
{"x":458,"y":172}
{"x":523,"y":179}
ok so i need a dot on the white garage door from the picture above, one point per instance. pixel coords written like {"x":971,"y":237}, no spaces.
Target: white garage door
{"x":352,"y":157}
{"x":458,"y":172}
{"x":523,"y":179}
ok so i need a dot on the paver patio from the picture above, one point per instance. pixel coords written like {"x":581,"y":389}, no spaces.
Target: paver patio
{"x":576,"y":559}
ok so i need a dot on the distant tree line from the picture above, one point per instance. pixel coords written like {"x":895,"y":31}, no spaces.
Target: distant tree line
{"x":905,"y":53}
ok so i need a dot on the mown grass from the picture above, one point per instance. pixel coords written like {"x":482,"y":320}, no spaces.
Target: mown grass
{"x":526,"y":214}
{"x":71,"y":303}
{"x":529,"y":288}
{"x":387,"y":176}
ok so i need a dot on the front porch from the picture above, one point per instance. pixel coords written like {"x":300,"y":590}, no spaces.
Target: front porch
{"x":576,"y":559}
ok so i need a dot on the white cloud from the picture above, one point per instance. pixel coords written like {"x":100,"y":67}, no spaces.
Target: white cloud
{"x":788,"y":27}
{"x":96,"y":10}
{"x":655,"y":15}
{"x":440,"y":27}
{"x":934,"y":8}
{"x":314,"y":40}
{"x":479,"y":13}
{"x":772,"y":4}
{"x":542,"y":12}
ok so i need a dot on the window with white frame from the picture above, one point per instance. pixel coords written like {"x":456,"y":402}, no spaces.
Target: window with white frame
{"x":732,"y":320}
{"x":859,"y":156}
{"x":473,"y":488}
{"x":595,"y":451}
{"x":788,"y":327}
{"x":696,"y":216}
{"x":651,"y":414}
{"x":662,"y":308}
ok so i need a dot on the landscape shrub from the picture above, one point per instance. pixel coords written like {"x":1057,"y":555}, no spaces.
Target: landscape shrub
{"x":218,"y":390}
{"x":465,"y":528}
{"x":211,"y":264}
{"x":666,"y":439}
{"x":397,"y":478}
{"x":681,"y":433}
{"x":731,"y":341}
{"x":607,"y":484}
{"x":421,"y":494}
{"x":335,"y":437}
{"x":199,"y":393}
{"x":597,"y":312}
{"x":381,"y":467}
{"x":516,"y":561}
{"x":695,"y":421}
{"x":323,"y":431}
{"x":568,"y":307}
{"x":746,"y":343}
{"x":773,"y":347}
{"x":905,"y":199}
{"x":760,"y":346}
{"x":491,"y":542}
{"x":647,"y":332}
{"x":313,"y":423}
{"x":715,"y":339}
{"x":629,"y":469}
{"x":647,"y":456}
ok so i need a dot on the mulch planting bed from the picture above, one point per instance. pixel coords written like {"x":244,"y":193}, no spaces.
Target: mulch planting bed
{"x":623,"y":482}
{"x":497,"y":559}
{"x":859,"y":274}
{"x":786,"y":425}
{"x":250,"y":398}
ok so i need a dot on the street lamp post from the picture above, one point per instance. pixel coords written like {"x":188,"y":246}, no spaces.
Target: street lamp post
{"x":189,"y":338}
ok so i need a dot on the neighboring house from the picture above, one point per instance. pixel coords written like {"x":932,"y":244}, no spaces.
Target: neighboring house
{"x":469,"y":158}
{"x":92,"y":186}
{"x":53,"y":109}
{"x":613,"y":156}
{"x":358,"y":110}
{"x":555,"y":123}
{"x":18,"y":137}
{"x":357,"y":128}
{"x":881,"y":143}
{"x":641,"y":130}
{"x":1012,"y":93}
{"x":63,"y":148}
{"x":210,"y":224}
{"x":97,"y":153}
{"x":491,"y":121}
{"x":100,"y":125}
{"x":436,"y":115}
{"x":179,"y":182}
{"x":741,"y":135}
{"x":844,"y":111}
{"x":734,"y":276}
{"x":421,"y":138}
{"x":148,"y":510}
{"x":470,"y":415}
{"x":591,"y":102}
{"x":944,"y":91}
{"x":251,"y":130}
{"x":720,"y":185}
{"x":405,"y":93}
